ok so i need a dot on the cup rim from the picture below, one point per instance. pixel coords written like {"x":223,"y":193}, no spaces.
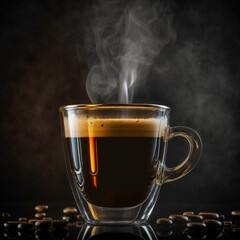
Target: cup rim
{"x":115,"y":105}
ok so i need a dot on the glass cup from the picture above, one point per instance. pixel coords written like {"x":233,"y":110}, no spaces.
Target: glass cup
{"x":115,"y":158}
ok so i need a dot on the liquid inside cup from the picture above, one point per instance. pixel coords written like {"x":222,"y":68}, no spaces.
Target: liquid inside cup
{"x":114,"y":160}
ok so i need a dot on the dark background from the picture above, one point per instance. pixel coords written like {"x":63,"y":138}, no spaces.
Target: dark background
{"x":44,"y":65}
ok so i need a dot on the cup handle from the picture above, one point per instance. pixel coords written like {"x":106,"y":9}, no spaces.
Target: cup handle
{"x":195,"y":149}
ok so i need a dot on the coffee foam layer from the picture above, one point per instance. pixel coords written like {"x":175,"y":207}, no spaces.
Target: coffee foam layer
{"x":107,"y":127}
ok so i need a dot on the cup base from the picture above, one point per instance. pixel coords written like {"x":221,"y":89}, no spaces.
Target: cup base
{"x":114,"y":216}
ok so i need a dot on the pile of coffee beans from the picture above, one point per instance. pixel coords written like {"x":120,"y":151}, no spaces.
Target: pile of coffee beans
{"x":41,"y":226}
{"x":188,"y":225}
{"x":204,"y":225}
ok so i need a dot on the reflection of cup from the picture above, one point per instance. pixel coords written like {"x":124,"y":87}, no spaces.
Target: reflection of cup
{"x":116,"y":158}
{"x":133,"y":232}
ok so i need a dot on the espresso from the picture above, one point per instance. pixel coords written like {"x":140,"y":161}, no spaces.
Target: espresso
{"x":115,"y":163}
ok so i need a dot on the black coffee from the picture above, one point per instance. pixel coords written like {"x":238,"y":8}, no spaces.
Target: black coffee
{"x":114,"y":161}
{"x":117,"y":171}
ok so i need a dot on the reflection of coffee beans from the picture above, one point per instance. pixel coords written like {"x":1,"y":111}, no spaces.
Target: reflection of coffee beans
{"x":188,"y":213}
{"x":59,"y":223}
{"x":164,"y":222}
{"x":178,"y":219}
{"x":25,"y":226}
{"x":116,"y":236}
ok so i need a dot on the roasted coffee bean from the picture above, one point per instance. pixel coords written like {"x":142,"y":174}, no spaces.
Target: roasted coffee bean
{"x":196,"y":226}
{"x":43,"y":224}
{"x":80,"y":217}
{"x":188,"y":213}
{"x":79,"y":224}
{"x":59,"y":223}
{"x":164,"y":232}
{"x":212,"y":224}
{"x":40,"y":215}
{"x":41,"y":208}
{"x":195,"y":218}
{"x":227,"y":223}
{"x":48,"y":218}
{"x":236,"y":218}
{"x":6,"y":217}
{"x":178,"y":219}
{"x":70,"y":211}
{"x":25,"y":226}
{"x":164,"y":222}
{"x":11,"y":225}
{"x":33,"y":220}
{"x":235,"y":213}
{"x":66,"y":218}
{"x":221,"y":218}
{"x":236,"y":229}
{"x":196,"y":235}
{"x":22,"y":219}
{"x":23,"y":234}
{"x":209,"y":215}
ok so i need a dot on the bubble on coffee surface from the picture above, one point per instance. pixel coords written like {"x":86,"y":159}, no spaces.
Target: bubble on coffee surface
{"x":84,"y":126}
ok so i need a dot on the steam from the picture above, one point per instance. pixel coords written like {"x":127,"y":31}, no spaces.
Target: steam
{"x":128,"y":40}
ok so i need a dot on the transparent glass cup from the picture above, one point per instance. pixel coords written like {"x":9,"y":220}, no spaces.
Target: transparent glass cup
{"x":115,"y":158}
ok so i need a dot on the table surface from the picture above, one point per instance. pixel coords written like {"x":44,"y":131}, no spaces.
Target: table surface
{"x":76,"y":232}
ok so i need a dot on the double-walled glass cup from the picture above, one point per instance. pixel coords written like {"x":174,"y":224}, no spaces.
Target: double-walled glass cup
{"x":115,"y":158}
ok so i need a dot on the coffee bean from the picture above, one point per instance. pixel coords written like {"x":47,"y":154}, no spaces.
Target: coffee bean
{"x":48,"y":218}
{"x":41,"y":208}
{"x":25,"y":226}
{"x":70,"y":211}
{"x":188,"y":213}
{"x":80,"y":217}
{"x":236,"y":229}
{"x":79,"y":224}
{"x":6,"y":217}
{"x":11,"y":225}
{"x":236,"y":218}
{"x":212,"y":224}
{"x":227,"y":223}
{"x":164,"y":222}
{"x":66,"y":218}
{"x":22,"y":219}
{"x":221,"y":218}
{"x":196,"y":226}
{"x":59,"y":223}
{"x":235,"y":213}
{"x":43,"y":224}
{"x":209,"y":215}
{"x":40,"y":215}
{"x":195,"y":218}
{"x":33,"y":220}
{"x":178,"y":219}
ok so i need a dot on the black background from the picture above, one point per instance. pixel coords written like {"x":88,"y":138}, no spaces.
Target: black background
{"x":44,"y":65}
